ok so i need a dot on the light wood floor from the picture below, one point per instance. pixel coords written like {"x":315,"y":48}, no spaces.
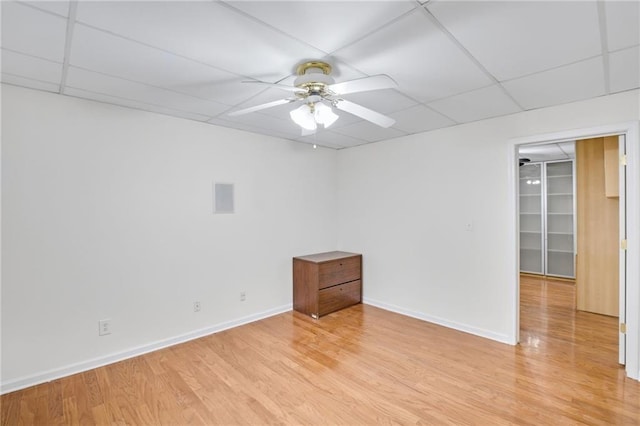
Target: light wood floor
{"x":361,"y":365}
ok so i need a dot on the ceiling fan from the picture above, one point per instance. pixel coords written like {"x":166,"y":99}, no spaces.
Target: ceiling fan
{"x":319,"y":94}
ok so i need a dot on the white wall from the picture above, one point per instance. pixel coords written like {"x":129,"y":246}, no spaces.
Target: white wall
{"x":406,"y":203}
{"x":107,"y":213}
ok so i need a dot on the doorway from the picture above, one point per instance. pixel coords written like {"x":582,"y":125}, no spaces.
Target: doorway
{"x":547,"y":209}
{"x":569,"y":210}
{"x":631,"y":271}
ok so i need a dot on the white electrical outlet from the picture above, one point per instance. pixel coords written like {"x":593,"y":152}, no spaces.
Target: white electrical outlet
{"x":243,"y":296}
{"x":196,"y":307}
{"x":104,"y":327}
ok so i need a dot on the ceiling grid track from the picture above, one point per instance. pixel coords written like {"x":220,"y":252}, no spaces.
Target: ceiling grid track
{"x":472,"y":58}
{"x":557,"y":67}
{"x":369,"y":33}
{"x":141,"y":102}
{"x":604,"y":41}
{"x":71,"y":22}
{"x":152,"y":86}
{"x":271,"y":27}
{"x":450,"y":63}
{"x":111,"y":33}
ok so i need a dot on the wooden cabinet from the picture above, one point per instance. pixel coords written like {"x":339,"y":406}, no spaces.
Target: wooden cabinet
{"x":611,"y":167}
{"x":326,"y":282}
{"x":597,"y":278}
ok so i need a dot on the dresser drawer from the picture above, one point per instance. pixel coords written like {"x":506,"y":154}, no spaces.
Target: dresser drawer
{"x":338,"y":297}
{"x":339,"y":271}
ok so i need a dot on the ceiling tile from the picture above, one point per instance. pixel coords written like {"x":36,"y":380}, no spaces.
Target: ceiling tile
{"x":623,"y":29}
{"x":515,"y":38}
{"x":99,"y":97}
{"x":29,"y":83}
{"x":383,"y":101}
{"x":420,"y":119}
{"x":548,"y":151}
{"x":476,"y":105}
{"x":188,"y":58}
{"x":33,"y":32}
{"x":254,"y":129}
{"x":624,"y":69}
{"x":266,"y":122}
{"x":332,"y":139}
{"x":99,"y":51}
{"x":569,"y":148}
{"x":278,"y":134}
{"x":426,"y":64}
{"x":205,"y":31}
{"x":369,"y":131}
{"x":238,"y":126}
{"x":31,"y":67}
{"x":348,"y":20}
{"x":570,"y":83}
{"x":125,"y":89}
{"x":57,"y":7}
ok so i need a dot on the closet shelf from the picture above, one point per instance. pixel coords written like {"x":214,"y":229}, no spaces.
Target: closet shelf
{"x":548,"y":216}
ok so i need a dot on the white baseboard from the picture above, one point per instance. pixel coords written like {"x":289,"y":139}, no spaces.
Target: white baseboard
{"x":502,"y":338}
{"x":47,"y":376}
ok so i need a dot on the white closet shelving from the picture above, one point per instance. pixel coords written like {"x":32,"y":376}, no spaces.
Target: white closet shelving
{"x":531,"y":236}
{"x":547,"y":212}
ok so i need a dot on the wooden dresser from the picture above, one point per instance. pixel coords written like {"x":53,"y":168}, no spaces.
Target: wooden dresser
{"x":326,"y":282}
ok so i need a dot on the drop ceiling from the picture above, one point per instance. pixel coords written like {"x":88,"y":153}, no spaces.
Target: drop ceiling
{"x":548,"y":151}
{"x":455,"y":62}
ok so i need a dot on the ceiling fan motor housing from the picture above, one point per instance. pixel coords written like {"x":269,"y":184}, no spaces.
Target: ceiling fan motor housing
{"x":314,"y":78}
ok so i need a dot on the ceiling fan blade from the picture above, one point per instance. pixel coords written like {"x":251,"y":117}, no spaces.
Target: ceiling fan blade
{"x":277,"y":86}
{"x":374,"y":82}
{"x":261,"y":106}
{"x":366,"y":113}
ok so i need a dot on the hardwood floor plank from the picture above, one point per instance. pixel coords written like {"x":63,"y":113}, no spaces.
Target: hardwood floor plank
{"x":10,"y":407}
{"x":360,"y":365}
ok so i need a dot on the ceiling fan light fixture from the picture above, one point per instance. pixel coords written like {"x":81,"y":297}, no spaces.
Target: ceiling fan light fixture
{"x":303,"y":117}
{"x":320,"y":96}
{"x":324,"y":115}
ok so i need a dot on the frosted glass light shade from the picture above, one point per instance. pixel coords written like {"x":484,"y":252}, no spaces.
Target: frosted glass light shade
{"x":303,"y":117}
{"x":324,"y":115}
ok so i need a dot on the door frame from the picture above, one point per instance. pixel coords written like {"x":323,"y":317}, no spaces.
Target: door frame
{"x":631,"y":130}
